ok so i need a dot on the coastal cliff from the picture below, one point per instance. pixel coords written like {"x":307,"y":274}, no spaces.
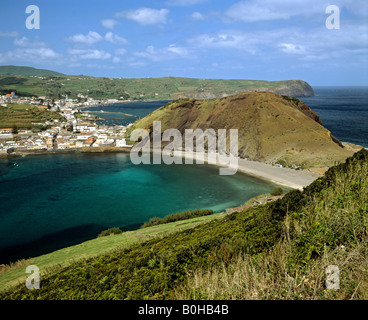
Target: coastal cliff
{"x":294,"y":88}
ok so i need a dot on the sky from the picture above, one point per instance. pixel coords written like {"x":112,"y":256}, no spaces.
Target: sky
{"x":217,"y":39}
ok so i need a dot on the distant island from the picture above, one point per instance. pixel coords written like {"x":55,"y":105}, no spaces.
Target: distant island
{"x":26,"y":81}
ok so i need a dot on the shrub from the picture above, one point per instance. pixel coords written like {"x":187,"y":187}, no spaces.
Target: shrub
{"x":276,"y":192}
{"x":109,"y":232}
{"x":172,"y":217}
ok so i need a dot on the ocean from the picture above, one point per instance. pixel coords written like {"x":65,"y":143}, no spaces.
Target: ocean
{"x":343,"y":110}
{"x":49,"y":202}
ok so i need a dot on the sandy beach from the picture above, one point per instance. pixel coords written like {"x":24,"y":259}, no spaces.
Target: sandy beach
{"x":296,"y":179}
{"x":290,"y":178}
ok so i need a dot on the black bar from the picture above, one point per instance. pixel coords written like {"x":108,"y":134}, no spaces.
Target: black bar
{"x":183,"y":309}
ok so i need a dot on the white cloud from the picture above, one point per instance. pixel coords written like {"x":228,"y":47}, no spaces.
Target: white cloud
{"x":116,"y":59}
{"x":184,"y":2}
{"x":96,"y":54}
{"x":91,"y":37}
{"x":89,"y":54}
{"x":170,"y":52}
{"x":180,"y":51}
{"x":315,"y":45}
{"x":257,"y":10}
{"x":197,"y":16}
{"x":145,"y":16}
{"x":226,"y":40}
{"x":292,"y":48}
{"x":109,"y":23}
{"x":25,"y":42}
{"x":120,"y":52}
{"x":33,"y":52}
{"x":31,"y":55}
{"x":113,"y":38}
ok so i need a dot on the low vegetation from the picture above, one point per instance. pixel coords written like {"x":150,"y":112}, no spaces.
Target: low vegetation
{"x":177,"y":217}
{"x":14,"y":273}
{"x":109,"y":232}
{"x":277,"y":192}
{"x":279,"y":250}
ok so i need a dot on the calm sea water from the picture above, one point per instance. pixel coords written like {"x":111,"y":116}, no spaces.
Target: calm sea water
{"x":344,"y":111}
{"x":52,"y":201}
{"x":112,"y":114}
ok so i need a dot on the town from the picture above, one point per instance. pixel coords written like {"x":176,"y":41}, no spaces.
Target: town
{"x":77,"y":131}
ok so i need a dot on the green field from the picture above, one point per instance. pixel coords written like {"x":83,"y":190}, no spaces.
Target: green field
{"x":23,"y":116}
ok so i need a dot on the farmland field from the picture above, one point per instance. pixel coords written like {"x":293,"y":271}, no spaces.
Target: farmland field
{"x":24,"y":116}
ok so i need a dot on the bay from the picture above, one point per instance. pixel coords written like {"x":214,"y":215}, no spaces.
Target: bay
{"x":52,"y":201}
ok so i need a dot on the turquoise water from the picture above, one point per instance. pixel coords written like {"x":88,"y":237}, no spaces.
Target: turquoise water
{"x":51,"y":201}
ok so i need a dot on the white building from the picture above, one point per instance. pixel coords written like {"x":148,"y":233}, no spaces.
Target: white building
{"x":120,"y":143}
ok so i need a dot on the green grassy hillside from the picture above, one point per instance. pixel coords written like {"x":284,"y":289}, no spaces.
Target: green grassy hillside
{"x":26,"y":71}
{"x":166,"y":88}
{"x":14,"y":273}
{"x":275,"y":251}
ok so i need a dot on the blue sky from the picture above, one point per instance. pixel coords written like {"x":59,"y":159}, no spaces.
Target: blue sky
{"x":236,"y":39}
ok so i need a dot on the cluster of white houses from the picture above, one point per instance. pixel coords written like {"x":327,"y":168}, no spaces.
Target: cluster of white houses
{"x":75,"y":133}
{"x":90,"y":135}
{"x":55,"y":104}
{"x":57,"y":138}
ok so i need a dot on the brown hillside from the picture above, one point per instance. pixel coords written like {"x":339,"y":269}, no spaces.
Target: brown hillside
{"x":272,"y":128}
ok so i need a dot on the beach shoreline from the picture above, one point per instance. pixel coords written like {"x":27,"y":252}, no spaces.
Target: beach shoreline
{"x":286,"y":177}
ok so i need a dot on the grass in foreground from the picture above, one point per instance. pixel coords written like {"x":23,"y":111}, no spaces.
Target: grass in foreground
{"x":331,"y":229}
{"x":14,"y":273}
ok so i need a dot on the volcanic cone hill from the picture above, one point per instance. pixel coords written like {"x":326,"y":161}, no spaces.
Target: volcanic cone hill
{"x":271,"y":128}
